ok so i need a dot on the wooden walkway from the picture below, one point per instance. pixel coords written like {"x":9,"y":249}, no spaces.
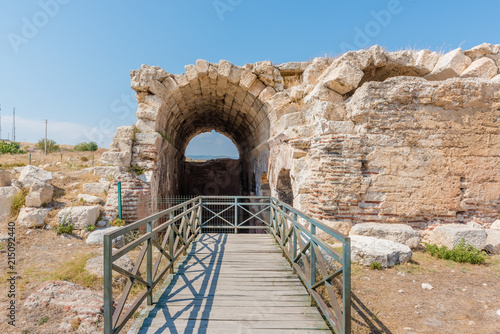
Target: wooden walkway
{"x":234,"y":284}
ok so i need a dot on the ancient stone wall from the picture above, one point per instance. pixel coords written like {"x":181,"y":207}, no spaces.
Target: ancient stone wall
{"x":370,"y":136}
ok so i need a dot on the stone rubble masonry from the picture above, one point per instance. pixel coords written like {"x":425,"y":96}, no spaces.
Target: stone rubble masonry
{"x":408,"y":137}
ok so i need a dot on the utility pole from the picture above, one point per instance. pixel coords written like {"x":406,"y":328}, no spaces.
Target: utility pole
{"x":14,"y":124}
{"x":46,"y":137}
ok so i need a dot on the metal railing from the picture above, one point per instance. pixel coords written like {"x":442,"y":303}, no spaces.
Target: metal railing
{"x":296,"y":234}
{"x":169,"y":233}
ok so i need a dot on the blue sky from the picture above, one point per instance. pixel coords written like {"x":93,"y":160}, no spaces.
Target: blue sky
{"x":68,"y":61}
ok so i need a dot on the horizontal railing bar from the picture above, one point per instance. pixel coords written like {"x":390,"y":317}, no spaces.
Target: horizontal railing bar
{"x":337,"y":235}
{"x":139,"y":223}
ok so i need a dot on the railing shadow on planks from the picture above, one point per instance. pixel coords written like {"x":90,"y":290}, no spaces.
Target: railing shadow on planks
{"x":164,"y":237}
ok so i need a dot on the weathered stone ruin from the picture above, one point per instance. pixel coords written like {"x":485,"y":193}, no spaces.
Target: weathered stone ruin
{"x":407,"y":137}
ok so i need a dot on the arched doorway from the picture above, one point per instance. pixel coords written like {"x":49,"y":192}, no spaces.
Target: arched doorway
{"x":211,"y":167}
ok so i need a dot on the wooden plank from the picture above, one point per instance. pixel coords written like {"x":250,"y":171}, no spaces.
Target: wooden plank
{"x":234,"y":284}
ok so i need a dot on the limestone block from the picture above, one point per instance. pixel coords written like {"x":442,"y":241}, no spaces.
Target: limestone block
{"x":145,"y":126}
{"x":400,"y":233}
{"x":451,"y":235}
{"x":256,"y":88}
{"x":126,"y":132}
{"x":267,"y":93}
{"x":342,"y":78}
{"x":495,"y":225}
{"x":367,"y":250}
{"x":450,"y":65}
{"x":202,"y":66}
{"x":493,"y":241}
{"x":151,"y":138}
{"x":97,"y":237}
{"x":292,"y":68}
{"x":116,"y":158}
{"x":40,"y":194}
{"x":496,"y":78}
{"x":224,"y":68}
{"x":79,"y":216}
{"x":426,"y":61}
{"x":481,"y":51}
{"x":147,"y":112}
{"x":6,"y":195}
{"x":108,"y":171}
{"x":91,"y":199}
{"x":98,"y":188}
{"x":314,"y":70}
{"x":322,"y":93}
{"x":141,"y":78}
{"x":481,"y":68}
{"x":32,"y":174}
{"x":121,"y":145}
{"x":328,"y":111}
{"x":32,"y":217}
{"x":5,"y":178}
{"x":247,"y":79}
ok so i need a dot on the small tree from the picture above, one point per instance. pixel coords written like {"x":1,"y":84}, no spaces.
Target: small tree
{"x":84,"y":146}
{"x":51,"y":145}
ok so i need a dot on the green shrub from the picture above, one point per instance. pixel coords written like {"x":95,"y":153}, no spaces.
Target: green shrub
{"x":118,"y":222}
{"x":376,"y":265}
{"x":89,"y":228}
{"x":138,"y":170}
{"x":18,"y":202}
{"x":51,"y":145}
{"x":84,"y":146}
{"x":64,"y":228}
{"x":463,"y":253}
{"x":12,"y":148}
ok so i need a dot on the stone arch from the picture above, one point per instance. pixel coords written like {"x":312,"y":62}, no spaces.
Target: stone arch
{"x":175,"y":108}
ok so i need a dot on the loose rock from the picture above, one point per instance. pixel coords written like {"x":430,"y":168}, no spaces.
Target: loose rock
{"x":366,"y":250}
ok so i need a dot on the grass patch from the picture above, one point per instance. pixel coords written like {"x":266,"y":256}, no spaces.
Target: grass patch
{"x":376,"y":265}
{"x":118,"y":222}
{"x":462,"y":253}
{"x":12,"y":164}
{"x":43,"y":321}
{"x":74,"y":271}
{"x":18,"y":202}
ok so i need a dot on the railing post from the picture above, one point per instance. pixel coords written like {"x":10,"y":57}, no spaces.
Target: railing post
{"x":236,"y":215}
{"x":171,"y":242}
{"x":119,"y":200}
{"x":183,"y":232}
{"x":312,"y":276}
{"x":149,"y":260}
{"x":346,"y":286}
{"x":108,"y":286}
{"x":294,"y":237}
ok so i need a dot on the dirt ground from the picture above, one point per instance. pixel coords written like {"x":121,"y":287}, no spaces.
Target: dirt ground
{"x":465,"y":298}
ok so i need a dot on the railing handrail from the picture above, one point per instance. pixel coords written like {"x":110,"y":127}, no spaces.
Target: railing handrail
{"x":290,"y":236}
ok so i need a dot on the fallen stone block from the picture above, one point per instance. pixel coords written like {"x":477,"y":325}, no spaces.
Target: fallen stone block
{"x":367,"y":250}
{"x":400,"y":233}
{"x":493,"y":241}
{"x":32,"y":217}
{"x":89,"y":199}
{"x":31,"y":174}
{"x":40,"y":194}
{"x":79,"y":216}
{"x":451,"y":235}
